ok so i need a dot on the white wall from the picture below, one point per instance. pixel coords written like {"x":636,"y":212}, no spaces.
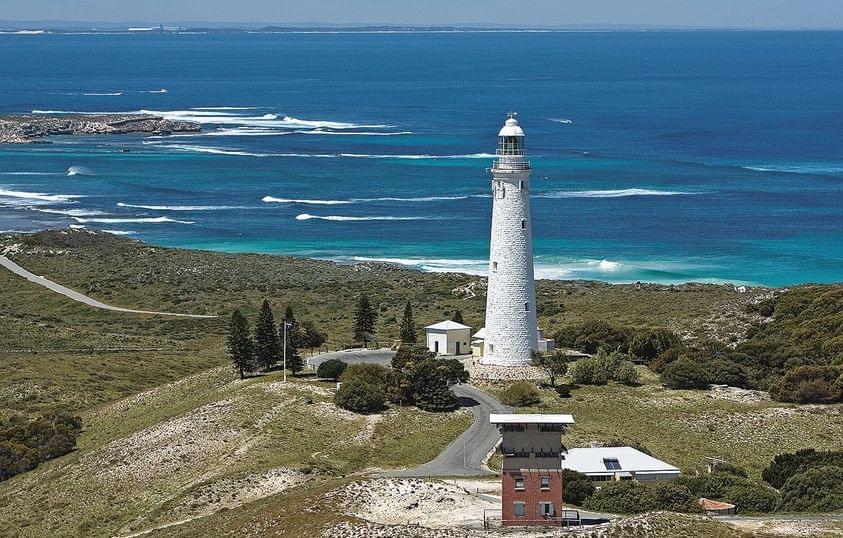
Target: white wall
{"x":448,"y":341}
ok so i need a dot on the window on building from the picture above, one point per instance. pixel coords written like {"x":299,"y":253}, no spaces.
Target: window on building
{"x":519,"y":483}
{"x":612,"y":464}
{"x":491,"y":348}
{"x":545,"y":482}
{"x":526,"y":307}
{"x":519,"y":509}
{"x":503,"y":191}
{"x":546,"y":509}
{"x":521,"y":185}
{"x":494,"y":266}
{"x":523,"y":224}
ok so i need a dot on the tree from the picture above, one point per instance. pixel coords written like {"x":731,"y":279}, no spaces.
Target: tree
{"x":436,"y":398}
{"x":359,"y":396}
{"x":521,"y":394}
{"x":331,"y":369}
{"x":374,"y":374}
{"x":684,"y":374}
{"x":295,"y":341}
{"x":364,"y":320}
{"x":750,"y":497}
{"x":266,"y":338}
{"x":554,"y":365}
{"x":428,"y":380}
{"x":819,"y":489}
{"x":241,"y":348}
{"x":457,"y":317}
{"x":312,"y":338}
{"x":411,"y":354}
{"x":408,"y":326}
{"x":576,"y":487}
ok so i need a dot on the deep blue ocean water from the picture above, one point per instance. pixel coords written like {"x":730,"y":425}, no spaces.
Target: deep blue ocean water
{"x":657,"y":156}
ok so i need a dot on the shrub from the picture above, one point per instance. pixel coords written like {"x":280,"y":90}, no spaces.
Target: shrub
{"x":374,"y":374}
{"x":602,"y":368}
{"x":625,"y":497}
{"x":428,"y":380}
{"x":750,"y":497}
{"x":564,"y":391}
{"x":819,"y":489}
{"x":589,"y":372}
{"x":24,"y":444}
{"x":331,"y":369}
{"x":710,"y":486}
{"x":647,"y":344}
{"x":411,"y":353}
{"x":591,"y":336}
{"x":521,"y":394}
{"x":674,"y":497}
{"x":360,"y":396}
{"x":810,"y":384}
{"x":576,"y":487}
{"x":436,"y":398}
{"x":626,"y":374}
{"x":724,"y":372}
{"x":727,"y":468}
{"x":684,"y":374}
{"x":786,"y":465}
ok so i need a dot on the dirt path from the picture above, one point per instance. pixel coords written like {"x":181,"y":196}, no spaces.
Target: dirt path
{"x":76,"y":296}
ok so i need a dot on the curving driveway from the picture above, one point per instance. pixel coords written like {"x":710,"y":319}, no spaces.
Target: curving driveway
{"x":76,"y":296}
{"x":465,"y":456}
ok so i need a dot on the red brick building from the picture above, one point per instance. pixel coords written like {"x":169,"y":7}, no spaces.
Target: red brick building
{"x":531,"y":481}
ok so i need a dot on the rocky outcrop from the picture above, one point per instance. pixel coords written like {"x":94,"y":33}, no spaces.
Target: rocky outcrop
{"x":28,"y":129}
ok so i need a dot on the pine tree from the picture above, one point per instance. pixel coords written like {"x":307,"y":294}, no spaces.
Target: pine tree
{"x":438,"y":397}
{"x":311,"y":335}
{"x":241,"y":348}
{"x":408,"y":326}
{"x":364,"y":320}
{"x":295,"y":340}
{"x":266,"y":338}
{"x":458,"y":317}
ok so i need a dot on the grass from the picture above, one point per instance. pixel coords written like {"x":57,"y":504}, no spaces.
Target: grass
{"x":684,"y":427}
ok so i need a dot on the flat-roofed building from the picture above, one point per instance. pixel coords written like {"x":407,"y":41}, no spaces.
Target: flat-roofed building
{"x":531,"y":480}
{"x":608,"y":463}
{"x":448,"y":338}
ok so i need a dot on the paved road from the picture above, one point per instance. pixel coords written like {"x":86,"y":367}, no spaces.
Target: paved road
{"x":351,"y":356}
{"x":76,"y":296}
{"x":464,"y":456}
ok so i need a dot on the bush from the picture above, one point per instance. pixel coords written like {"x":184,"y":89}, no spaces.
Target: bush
{"x":592,"y":336}
{"x":786,"y":465}
{"x":374,"y":374}
{"x":724,"y":372}
{"x":589,"y":372}
{"x":727,"y":468}
{"x":710,"y":486}
{"x":810,"y":384}
{"x":411,"y":353}
{"x":604,"y":367}
{"x":564,"y":391}
{"x":436,"y":398}
{"x":576,"y":487}
{"x":750,"y":497}
{"x":647,"y":344}
{"x":626,"y":374}
{"x":521,"y":394}
{"x":819,"y":489}
{"x":24,"y":444}
{"x":684,"y":374}
{"x":360,"y":396}
{"x":630,"y":497}
{"x":427,"y":382}
{"x":331,"y":369}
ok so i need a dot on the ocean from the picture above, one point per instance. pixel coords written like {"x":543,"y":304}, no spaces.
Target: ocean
{"x":657,"y":156}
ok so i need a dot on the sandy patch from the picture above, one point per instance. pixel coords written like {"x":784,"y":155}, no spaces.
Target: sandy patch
{"x":281,"y":387}
{"x":368,"y":429}
{"x":411,"y":501}
{"x":372,"y":530}
{"x":739,"y":395}
{"x":790,"y":527}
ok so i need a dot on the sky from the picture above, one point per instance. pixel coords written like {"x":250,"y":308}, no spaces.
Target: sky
{"x":718,"y":13}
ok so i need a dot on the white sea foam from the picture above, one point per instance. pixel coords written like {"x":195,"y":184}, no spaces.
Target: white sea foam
{"x":70,"y":212}
{"x":39,"y":196}
{"x":118,"y":220}
{"x":561,"y":120}
{"x":224,"y":108}
{"x":29,"y":173}
{"x":350,"y":133}
{"x":162,"y":90}
{"x":103,"y":94}
{"x":612,"y":193}
{"x":120,"y":232}
{"x":809,"y":168}
{"x":228,"y":116}
{"x":242,"y":153}
{"x":273,"y":199}
{"x":343,"y":218}
{"x":181,"y":207}
{"x":79,"y":171}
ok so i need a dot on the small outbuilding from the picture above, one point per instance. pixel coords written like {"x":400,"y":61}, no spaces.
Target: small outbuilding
{"x":716,"y":508}
{"x":603,"y":464}
{"x":448,"y":338}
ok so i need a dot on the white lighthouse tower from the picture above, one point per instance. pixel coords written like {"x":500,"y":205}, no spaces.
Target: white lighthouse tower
{"x":511,"y":332}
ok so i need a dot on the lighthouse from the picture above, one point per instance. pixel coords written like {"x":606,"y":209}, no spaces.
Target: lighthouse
{"x":511,"y":334}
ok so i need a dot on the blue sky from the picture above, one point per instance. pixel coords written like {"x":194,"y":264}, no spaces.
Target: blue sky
{"x":723,"y":13}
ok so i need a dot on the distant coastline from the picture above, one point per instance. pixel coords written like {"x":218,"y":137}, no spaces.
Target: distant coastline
{"x":33,"y":128}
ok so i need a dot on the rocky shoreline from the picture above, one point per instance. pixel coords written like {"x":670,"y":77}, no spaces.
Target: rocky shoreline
{"x":31,"y":129}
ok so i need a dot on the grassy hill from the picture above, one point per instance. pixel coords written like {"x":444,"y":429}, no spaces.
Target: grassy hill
{"x":171,"y":441}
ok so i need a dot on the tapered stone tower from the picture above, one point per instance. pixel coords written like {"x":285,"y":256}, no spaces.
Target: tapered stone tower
{"x":511,"y":332}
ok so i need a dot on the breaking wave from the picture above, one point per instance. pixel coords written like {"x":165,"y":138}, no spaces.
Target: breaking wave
{"x":39,"y":196}
{"x":117,"y":220}
{"x":273,"y":199}
{"x":817,"y":168}
{"x":70,"y":212}
{"x":343,"y":218}
{"x":103,"y":94}
{"x":612,"y":193}
{"x":79,"y":171}
{"x":181,"y":207}
{"x":561,"y":120}
{"x":241,"y":153}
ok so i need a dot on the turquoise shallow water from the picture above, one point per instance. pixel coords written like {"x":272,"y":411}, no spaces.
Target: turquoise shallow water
{"x":668,"y":157}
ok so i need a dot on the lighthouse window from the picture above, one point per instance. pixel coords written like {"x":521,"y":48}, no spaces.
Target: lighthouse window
{"x":503,"y":191}
{"x":520,"y":185}
{"x":526,"y":307}
{"x":494,"y":266}
{"x":523,"y":224}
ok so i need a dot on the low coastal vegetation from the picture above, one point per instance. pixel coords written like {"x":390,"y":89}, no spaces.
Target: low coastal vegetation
{"x":26,"y":443}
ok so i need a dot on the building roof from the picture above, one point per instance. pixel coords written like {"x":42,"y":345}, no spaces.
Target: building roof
{"x":447,"y":326}
{"x":614,"y":459}
{"x":708,"y":504}
{"x":534,"y":418}
{"x":511,"y":128}
{"x":481,"y":334}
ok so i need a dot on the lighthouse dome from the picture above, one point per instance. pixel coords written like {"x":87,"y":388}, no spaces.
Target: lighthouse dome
{"x":511,"y":128}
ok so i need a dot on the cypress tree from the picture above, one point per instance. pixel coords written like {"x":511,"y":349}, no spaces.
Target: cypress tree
{"x":266,"y":338}
{"x":241,"y":348}
{"x":408,"y":326}
{"x":295,"y":341}
{"x":458,"y":317}
{"x":364,"y":320}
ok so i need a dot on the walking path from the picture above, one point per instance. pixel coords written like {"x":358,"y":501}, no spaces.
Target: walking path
{"x":76,"y":296}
